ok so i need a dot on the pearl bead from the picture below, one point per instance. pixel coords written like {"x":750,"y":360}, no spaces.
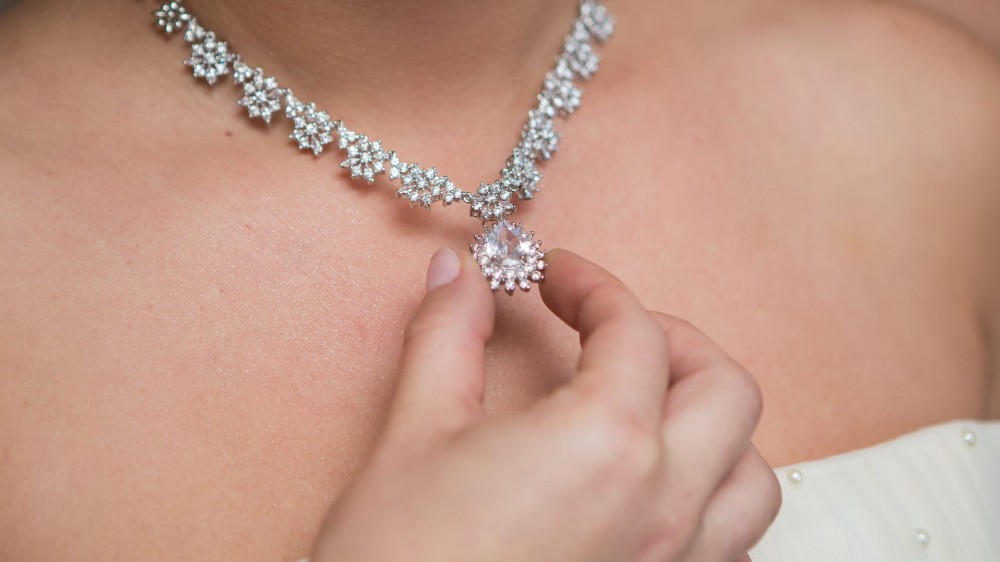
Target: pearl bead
{"x":923,"y":537}
{"x":795,"y":476}
{"x":969,"y":438}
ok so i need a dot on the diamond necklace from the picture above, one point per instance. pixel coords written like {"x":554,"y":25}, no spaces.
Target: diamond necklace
{"x":508,"y":254}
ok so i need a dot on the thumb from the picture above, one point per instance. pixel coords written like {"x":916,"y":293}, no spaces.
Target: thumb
{"x":440,"y":388}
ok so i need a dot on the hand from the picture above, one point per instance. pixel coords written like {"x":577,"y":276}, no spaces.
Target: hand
{"x":644,"y":456}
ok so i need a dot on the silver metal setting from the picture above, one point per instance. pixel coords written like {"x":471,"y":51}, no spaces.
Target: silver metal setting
{"x":596,"y":19}
{"x":242,"y":72}
{"x":581,"y":58}
{"x":560,"y":96}
{"x":210,"y":58}
{"x":539,"y":136}
{"x":171,"y":17}
{"x":421,"y":187}
{"x":492,"y":202}
{"x":520,"y":175}
{"x":508,"y":254}
{"x":365,"y":158}
{"x":194,"y":31}
{"x":313,"y":128}
{"x":261,"y":96}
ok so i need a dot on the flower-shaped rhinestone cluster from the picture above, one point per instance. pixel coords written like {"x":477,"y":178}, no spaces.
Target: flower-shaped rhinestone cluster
{"x":367,"y":159}
{"x":520,"y":175}
{"x":313,"y":128}
{"x":539,"y":137}
{"x":421,"y":187}
{"x":598,"y":22}
{"x":261,"y":95}
{"x":581,"y":58}
{"x":210,"y":58}
{"x":171,"y":17}
{"x":560,"y":96}
{"x":492,"y":202}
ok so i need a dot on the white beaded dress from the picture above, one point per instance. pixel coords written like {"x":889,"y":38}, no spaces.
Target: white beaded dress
{"x":929,"y":495}
{"x":932,"y":495}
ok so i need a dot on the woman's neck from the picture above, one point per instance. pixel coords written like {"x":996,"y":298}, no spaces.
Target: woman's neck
{"x":405,"y":54}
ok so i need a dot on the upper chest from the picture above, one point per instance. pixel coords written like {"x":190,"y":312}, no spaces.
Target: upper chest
{"x":224,"y":268}
{"x":199,"y":331}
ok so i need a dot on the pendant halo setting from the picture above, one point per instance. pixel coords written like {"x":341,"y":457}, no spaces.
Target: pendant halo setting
{"x":509,"y":256}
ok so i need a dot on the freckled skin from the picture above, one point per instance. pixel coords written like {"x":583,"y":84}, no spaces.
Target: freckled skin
{"x":201,"y":327}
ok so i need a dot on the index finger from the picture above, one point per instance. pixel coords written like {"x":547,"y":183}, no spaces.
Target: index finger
{"x":624,"y":356}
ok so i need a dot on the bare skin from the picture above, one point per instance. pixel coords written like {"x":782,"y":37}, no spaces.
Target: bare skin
{"x":980,"y":17}
{"x":201,"y":329}
{"x":608,"y":463}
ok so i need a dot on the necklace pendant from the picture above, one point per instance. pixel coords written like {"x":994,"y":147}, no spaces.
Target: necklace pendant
{"x":509,"y":256}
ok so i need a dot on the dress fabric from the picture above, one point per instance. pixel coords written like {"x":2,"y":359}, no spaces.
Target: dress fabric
{"x":929,"y":495}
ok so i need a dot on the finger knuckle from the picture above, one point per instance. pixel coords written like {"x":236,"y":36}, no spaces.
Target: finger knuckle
{"x":637,"y":452}
{"x":676,"y":321}
{"x":737,"y":537}
{"x":747,"y":523}
{"x":607,"y":294}
{"x":676,"y":325}
{"x":748,"y":394}
{"x":672,"y":534}
{"x":624,"y":448}
{"x":609,"y":289}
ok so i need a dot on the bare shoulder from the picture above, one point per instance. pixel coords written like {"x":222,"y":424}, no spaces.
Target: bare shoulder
{"x":954,"y":81}
{"x":890,"y":88}
{"x":922,"y":95}
{"x":981,"y":17}
{"x":889,"y":54}
{"x":929,"y":90}
{"x":13,"y":123}
{"x":935,"y":61}
{"x":22,"y":175}
{"x":21,"y":141}
{"x":898,"y":94}
{"x":23,"y":107}
{"x":887,"y":115}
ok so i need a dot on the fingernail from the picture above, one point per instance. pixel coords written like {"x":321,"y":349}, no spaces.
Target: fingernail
{"x":444,"y":268}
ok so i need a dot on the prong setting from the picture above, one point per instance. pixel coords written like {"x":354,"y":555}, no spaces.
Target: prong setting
{"x":510,"y":257}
